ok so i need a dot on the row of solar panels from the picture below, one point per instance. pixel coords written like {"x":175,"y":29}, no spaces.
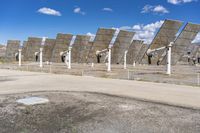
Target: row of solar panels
{"x":84,"y":51}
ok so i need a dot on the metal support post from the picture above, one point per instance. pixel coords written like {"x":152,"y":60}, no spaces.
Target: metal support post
{"x":20,"y":57}
{"x":69,"y":58}
{"x":41,"y":65}
{"x":109,"y":59}
{"x":125,"y":59}
{"x":169,"y":52}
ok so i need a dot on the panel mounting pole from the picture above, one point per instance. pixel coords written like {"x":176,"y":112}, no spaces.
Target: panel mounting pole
{"x":134,"y":63}
{"x":125,"y":59}
{"x":69,"y":57}
{"x":20,"y":57}
{"x":109,"y":59}
{"x":41,"y":65}
{"x":169,"y":52}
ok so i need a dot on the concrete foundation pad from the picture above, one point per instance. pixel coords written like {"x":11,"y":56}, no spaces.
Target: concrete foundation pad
{"x":32,"y":100}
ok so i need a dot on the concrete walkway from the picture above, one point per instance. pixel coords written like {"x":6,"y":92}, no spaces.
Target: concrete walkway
{"x":18,"y":82}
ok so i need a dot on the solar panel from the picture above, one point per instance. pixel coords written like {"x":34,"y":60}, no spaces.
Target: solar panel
{"x":2,"y":51}
{"x":80,"y":49}
{"x":101,"y":42}
{"x":165,"y":35}
{"x":48,"y":49}
{"x":33,"y":45}
{"x":121,"y":44}
{"x":191,"y":51}
{"x":196,"y":50}
{"x":62,"y":44}
{"x":133,"y":51}
{"x":12,"y":48}
{"x":140,"y":59}
{"x":24,"y":48}
{"x":183,"y":41}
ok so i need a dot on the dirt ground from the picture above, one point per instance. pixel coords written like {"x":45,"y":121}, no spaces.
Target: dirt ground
{"x":81,"y":112}
{"x":182,"y":74}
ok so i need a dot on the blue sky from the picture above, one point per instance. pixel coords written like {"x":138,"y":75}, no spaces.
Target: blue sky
{"x":20,"y":19}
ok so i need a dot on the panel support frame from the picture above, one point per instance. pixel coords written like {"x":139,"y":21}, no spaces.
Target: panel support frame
{"x":20,"y":57}
{"x":169,"y":57}
{"x":41,"y":60}
{"x":109,"y":59}
{"x":125,"y":64}
{"x":69,"y":57}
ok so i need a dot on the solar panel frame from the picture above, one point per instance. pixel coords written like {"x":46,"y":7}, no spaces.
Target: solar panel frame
{"x":80,"y":49}
{"x":48,"y":49}
{"x":196,"y":51}
{"x":183,"y":41}
{"x":140,"y":59}
{"x":165,"y":35}
{"x":121,"y":44}
{"x":11,"y":48}
{"x":102,"y":41}
{"x":24,"y":49}
{"x":61,"y":45}
{"x":33,"y":45}
{"x":133,"y":51}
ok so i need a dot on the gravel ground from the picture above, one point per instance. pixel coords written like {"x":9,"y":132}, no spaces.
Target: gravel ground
{"x":81,"y":112}
{"x":182,"y":74}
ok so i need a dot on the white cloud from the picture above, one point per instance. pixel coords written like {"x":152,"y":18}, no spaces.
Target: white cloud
{"x":136,"y":27}
{"x":153,"y":26}
{"x":124,"y":28}
{"x":197,"y":39}
{"x":49,"y":11}
{"x":147,"y":8}
{"x":147,"y":32}
{"x":107,"y":9}
{"x":160,"y":9}
{"x":176,"y":2}
{"x":79,"y":11}
{"x":144,"y":32}
{"x":154,"y":9}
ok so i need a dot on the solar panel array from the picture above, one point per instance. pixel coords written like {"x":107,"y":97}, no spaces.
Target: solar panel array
{"x":133,"y":51}
{"x":84,"y":50}
{"x":12,"y":48}
{"x":122,"y":43}
{"x":101,"y":42}
{"x":61,"y":45}
{"x":80,"y":49}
